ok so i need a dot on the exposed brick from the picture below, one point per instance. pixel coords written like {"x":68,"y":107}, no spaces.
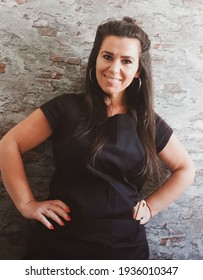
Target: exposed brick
{"x":46,"y":31}
{"x":49,"y":75}
{"x":56,"y":58}
{"x":20,"y":2}
{"x":2,"y":68}
{"x":162,"y":46}
{"x":160,"y":61}
{"x":164,"y":241}
{"x":156,"y":46}
{"x":62,"y":60}
{"x":73,"y":60}
{"x":44,"y":53}
{"x":173,"y":87}
{"x":58,"y":76}
{"x":45,"y":75}
{"x":174,"y":240}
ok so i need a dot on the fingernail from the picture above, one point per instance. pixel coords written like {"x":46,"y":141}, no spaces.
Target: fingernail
{"x":68,"y":218}
{"x":62,"y":223}
{"x":51,"y":227}
{"x":67,"y":210}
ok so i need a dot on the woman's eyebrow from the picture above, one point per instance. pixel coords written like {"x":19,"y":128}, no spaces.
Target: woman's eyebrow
{"x":123,"y":56}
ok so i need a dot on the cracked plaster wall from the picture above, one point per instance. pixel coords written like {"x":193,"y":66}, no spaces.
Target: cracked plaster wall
{"x":44,"y":46}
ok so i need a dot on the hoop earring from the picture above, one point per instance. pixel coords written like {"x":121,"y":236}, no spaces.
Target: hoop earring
{"x":139,"y":86}
{"x":90,"y":75}
{"x":140,"y":83}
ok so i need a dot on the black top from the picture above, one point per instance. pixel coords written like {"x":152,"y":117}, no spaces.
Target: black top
{"x":111,"y":188}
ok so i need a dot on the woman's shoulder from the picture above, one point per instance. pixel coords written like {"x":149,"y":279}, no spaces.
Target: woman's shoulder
{"x":72,"y":102}
{"x":63,"y":107}
{"x":69,"y":98}
{"x":160,"y":121}
{"x":163,"y":132}
{"x":65,"y":102}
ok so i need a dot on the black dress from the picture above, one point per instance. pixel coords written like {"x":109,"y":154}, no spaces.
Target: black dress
{"x":102,"y":198}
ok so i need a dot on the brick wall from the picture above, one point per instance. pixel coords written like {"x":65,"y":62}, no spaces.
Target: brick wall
{"x":44,"y":48}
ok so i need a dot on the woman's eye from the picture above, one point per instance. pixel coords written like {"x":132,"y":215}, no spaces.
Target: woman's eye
{"x":126,"y":61}
{"x":107,"y":57}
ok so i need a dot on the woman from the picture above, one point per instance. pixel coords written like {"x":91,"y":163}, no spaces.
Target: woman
{"x":106,"y":144}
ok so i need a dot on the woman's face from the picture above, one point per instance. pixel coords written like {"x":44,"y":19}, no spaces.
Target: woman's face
{"x":117,"y":63}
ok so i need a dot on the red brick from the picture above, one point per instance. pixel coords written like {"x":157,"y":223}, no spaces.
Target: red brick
{"x":156,"y":46}
{"x":164,"y":241}
{"x":162,"y":46}
{"x":167,"y":46}
{"x":172,"y":87}
{"x":58,"y":76}
{"x":49,"y":75}
{"x":56,"y":58}
{"x":2,"y":68}
{"x":69,"y":60}
{"x":45,"y":75}
{"x":20,"y":2}
{"x":159,"y":61}
{"x":174,"y":240}
{"x":73,"y":60}
{"x":46,"y":31}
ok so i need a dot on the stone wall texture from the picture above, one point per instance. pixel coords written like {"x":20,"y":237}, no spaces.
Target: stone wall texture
{"x":44,"y":47}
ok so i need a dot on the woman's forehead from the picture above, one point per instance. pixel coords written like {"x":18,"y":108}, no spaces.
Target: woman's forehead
{"x":122,"y":45}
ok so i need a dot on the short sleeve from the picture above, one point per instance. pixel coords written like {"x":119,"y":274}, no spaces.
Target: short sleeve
{"x":62,"y":111}
{"x":53,"y":110}
{"x":163,"y":133}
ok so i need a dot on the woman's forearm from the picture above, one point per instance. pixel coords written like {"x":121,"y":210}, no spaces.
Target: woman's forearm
{"x":23,"y":137}
{"x":176,"y":158}
{"x":171,"y":189}
{"x":13,"y":173}
{"x":17,"y":186}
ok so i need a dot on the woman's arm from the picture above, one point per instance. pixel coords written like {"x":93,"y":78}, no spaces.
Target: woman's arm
{"x":29,"y":133}
{"x":176,"y":158}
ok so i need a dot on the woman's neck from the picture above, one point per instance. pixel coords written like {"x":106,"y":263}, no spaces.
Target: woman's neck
{"x":116,"y":105}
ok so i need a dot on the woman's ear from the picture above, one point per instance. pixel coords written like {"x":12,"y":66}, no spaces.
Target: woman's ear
{"x":137,"y":75}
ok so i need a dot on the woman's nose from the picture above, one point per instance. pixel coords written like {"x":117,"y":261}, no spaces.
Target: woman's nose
{"x":115,"y":67}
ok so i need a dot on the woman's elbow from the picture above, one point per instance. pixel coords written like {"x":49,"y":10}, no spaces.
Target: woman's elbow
{"x":190,"y":171}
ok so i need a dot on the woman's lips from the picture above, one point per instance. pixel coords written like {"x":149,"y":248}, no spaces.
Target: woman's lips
{"x":112,"y":79}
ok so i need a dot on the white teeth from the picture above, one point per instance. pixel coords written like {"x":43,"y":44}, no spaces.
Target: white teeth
{"x":111,"y":78}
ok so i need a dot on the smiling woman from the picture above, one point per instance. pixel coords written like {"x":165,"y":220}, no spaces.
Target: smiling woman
{"x":106,"y":144}
{"x":117,"y":65}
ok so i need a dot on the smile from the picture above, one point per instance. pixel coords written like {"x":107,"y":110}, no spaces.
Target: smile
{"x":111,"y":79}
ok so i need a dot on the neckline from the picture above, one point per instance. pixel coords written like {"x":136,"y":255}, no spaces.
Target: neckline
{"x":119,"y":115}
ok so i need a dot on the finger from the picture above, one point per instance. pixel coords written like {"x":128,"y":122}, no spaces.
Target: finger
{"x":41,"y":218}
{"x":144,"y":220}
{"x":61,"y":204}
{"x":59,"y":211}
{"x":50,"y":214}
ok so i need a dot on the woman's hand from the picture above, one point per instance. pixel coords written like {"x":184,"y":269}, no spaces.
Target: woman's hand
{"x":146,"y":216}
{"x":142,"y":212}
{"x":52,"y":209}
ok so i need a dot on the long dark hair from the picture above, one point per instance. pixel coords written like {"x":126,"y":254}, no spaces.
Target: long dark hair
{"x":139,"y":103}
